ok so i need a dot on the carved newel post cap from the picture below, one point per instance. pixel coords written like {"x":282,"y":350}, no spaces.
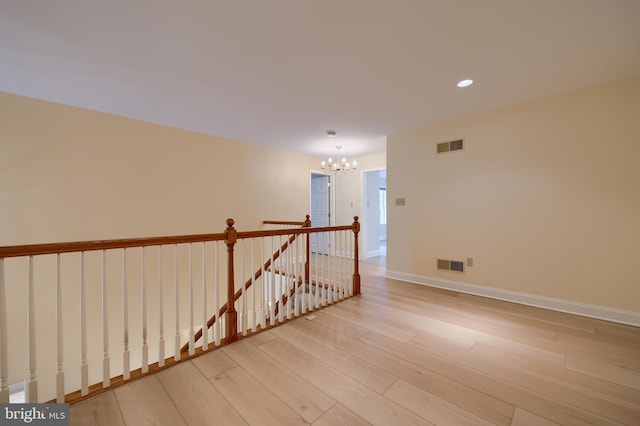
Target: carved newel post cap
{"x":230,"y":223}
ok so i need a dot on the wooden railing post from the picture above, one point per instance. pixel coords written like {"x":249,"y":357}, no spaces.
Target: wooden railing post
{"x":356,"y":270}
{"x":307,"y":224}
{"x":231,"y":316}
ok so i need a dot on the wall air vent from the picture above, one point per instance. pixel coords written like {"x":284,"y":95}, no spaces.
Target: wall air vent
{"x":455,"y":145}
{"x":450,"y":265}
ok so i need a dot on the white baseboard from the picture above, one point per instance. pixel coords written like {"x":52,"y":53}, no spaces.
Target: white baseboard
{"x":373,"y":253}
{"x":577,"y":308}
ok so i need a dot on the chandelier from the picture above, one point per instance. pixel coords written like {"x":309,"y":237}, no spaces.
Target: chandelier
{"x":340,"y":164}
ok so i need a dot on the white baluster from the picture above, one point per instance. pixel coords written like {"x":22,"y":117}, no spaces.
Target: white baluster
{"x":341,"y":263}
{"x":299,"y":289}
{"x":243,"y":310}
{"x":347,"y":277}
{"x":316,"y":257}
{"x":282,"y":279}
{"x":126,"y":355}
{"x":160,"y":312}
{"x":287,"y":277}
{"x":4,"y":354}
{"x":205,"y":329}
{"x":84,"y":368}
{"x":329,"y":269}
{"x":192,"y":343}
{"x":176,"y":353}
{"x":338,"y":270}
{"x":322,"y":280}
{"x":59,"y":342}
{"x":263,"y":278}
{"x":253,"y":318}
{"x":272,"y":283}
{"x":334,"y":239}
{"x":31,"y":392}
{"x":299,"y":276}
{"x":106,"y":373}
{"x":143,"y":300}
{"x":216,"y":302}
{"x":351,"y":262}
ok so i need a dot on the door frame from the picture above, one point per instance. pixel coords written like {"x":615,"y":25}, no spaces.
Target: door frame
{"x":332,"y":199}
{"x":364,"y":220}
{"x":328,"y":244}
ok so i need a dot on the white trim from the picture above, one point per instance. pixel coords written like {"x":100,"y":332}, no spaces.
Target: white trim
{"x":332,"y":193}
{"x":373,"y":253}
{"x":363,"y":219}
{"x":568,"y":306}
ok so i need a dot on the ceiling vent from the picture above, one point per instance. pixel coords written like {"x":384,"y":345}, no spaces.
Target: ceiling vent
{"x":455,"y":145}
{"x":451,"y":265}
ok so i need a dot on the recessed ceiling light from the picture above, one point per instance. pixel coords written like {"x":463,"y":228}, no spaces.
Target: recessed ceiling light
{"x":465,"y":83}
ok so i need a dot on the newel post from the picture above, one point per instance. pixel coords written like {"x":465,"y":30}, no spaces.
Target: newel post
{"x":307,"y":224}
{"x":356,"y":256}
{"x":231,"y":316}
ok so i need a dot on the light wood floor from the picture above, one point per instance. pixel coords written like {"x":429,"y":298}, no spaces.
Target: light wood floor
{"x":399,"y":354}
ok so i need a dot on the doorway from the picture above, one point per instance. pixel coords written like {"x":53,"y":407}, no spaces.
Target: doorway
{"x":321,"y":209}
{"x":374,"y":202}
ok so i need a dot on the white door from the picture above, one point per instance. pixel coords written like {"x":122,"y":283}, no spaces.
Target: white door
{"x":320,"y":210}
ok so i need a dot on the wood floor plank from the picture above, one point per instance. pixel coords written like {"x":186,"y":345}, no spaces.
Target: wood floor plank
{"x":525,"y":418}
{"x":447,"y":333}
{"x":583,"y":382}
{"x":623,"y":331}
{"x":339,"y":415}
{"x":145,"y":402}
{"x":435,"y":331}
{"x":369,"y":375}
{"x":340,"y":326}
{"x":369,"y":405}
{"x":260,"y":338}
{"x":214,"y":363}
{"x":436,"y":410}
{"x":255,"y":403}
{"x":605,"y":344}
{"x":301,"y":396}
{"x":468,"y":372}
{"x":449,"y":308}
{"x":358,"y":320}
{"x":604,"y":371}
{"x":102,"y":410}
{"x":197,"y":400}
{"x":539,"y":315}
{"x":481,"y":404}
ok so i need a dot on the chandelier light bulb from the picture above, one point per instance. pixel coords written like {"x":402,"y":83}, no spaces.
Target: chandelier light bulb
{"x":340,"y":164}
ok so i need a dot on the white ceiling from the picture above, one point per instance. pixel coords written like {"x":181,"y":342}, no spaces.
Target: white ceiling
{"x":283,"y":72}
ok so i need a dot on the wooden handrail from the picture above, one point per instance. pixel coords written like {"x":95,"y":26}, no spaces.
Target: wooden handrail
{"x":68,"y":247}
{"x":283,"y":222}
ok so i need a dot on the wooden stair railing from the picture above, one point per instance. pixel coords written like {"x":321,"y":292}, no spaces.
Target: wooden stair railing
{"x":257,"y":274}
{"x":13,"y":274}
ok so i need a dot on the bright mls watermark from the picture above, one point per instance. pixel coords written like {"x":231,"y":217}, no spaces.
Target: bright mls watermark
{"x":34,"y":414}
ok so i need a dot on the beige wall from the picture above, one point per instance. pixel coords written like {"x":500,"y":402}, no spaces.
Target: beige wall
{"x":349,"y":187}
{"x":545,"y":198}
{"x":72,"y":174}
